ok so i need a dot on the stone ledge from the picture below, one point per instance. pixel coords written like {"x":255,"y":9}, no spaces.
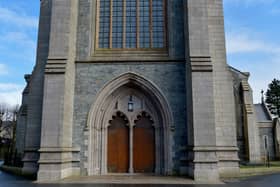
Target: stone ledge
{"x":61,"y":161}
{"x":201,"y":64}
{"x":205,"y":149}
{"x":210,"y":148}
{"x":56,"y":65}
{"x":58,"y":149}
{"x":229,"y":160}
{"x":132,"y":61}
{"x":245,"y":86}
{"x":222,"y":148}
{"x":206,"y":161}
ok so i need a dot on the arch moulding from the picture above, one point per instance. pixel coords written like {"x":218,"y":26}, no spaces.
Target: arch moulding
{"x":97,"y":127}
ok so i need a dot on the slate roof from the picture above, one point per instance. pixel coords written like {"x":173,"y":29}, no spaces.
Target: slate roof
{"x":261,"y":113}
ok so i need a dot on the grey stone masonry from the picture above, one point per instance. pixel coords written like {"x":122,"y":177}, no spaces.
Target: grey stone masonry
{"x":186,"y":88}
{"x":56,"y":152}
{"x":251,"y":129}
{"x":203,"y":166}
{"x":225,"y":120}
{"x":35,"y":96}
{"x":277,"y":137}
{"x":22,"y":119}
{"x":169,"y":78}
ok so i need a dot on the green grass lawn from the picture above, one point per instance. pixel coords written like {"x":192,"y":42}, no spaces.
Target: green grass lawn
{"x":272,"y":164}
{"x":255,"y":170}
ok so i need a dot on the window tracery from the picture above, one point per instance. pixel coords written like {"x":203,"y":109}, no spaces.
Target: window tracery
{"x":132,"y":24}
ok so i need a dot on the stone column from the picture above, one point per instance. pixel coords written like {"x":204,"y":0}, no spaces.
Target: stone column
{"x":56,"y":152}
{"x":131,"y":170}
{"x":225,"y":113}
{"x":203,"y":160}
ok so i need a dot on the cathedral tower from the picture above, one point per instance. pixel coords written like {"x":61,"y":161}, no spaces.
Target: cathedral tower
{"x":131,"y":86}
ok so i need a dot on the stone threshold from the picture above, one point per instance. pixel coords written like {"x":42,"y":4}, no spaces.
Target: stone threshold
{"x":125,"y":179}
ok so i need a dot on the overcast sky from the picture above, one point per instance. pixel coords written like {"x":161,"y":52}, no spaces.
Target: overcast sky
{"x":252,"y":35}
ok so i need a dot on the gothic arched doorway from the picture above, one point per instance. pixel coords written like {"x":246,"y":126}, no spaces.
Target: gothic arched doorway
{"x":146,"y":134}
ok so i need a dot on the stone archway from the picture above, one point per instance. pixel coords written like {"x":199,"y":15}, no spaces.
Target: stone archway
{"x":113,"y":98}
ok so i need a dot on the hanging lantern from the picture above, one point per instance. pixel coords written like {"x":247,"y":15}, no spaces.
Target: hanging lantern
{"x":130,"y":105}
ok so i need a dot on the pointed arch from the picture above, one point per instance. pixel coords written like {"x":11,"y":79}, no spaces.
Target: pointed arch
{"x":97,"y":123}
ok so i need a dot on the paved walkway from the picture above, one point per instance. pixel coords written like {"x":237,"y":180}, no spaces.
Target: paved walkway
{"x":7,"y":180}
{"x":122,"y":179}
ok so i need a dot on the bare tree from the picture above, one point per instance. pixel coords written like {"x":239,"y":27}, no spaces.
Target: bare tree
{"x":8,"y":121}
{"x":3,"y":112}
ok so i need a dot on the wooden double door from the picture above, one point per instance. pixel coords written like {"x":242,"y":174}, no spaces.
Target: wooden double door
{"x":131,"y":149}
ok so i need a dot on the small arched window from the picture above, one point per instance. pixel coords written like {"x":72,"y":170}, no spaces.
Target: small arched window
{"x":131,"y":24}
{"x":265,"y":139}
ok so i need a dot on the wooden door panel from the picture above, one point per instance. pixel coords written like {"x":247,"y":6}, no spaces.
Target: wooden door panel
{"x":118,"y":146}
{"x":144,"y":146}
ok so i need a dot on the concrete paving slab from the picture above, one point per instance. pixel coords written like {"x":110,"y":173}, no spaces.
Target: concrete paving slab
{"x":122,"y":179}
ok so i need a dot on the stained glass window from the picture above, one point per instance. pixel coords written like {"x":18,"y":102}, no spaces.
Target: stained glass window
{"x":104,"y":24}
{"x":117,"y":29}
{"x":144,"y":23}
{"x":158,"y":24}
{"x":132,"y":24}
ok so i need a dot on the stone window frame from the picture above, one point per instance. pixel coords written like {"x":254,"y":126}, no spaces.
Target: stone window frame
{"x":128,"y":52}
{"x":266,"y":143}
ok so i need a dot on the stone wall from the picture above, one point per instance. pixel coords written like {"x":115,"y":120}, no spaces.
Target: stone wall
{"x":223,"y":92}
{"x":56,"y":153}
{"x":238,"y":77}
{"x":34,"y":110}
{"x":191,"y":73}
{"x":22,"y":119}
{"x":266,"y":129}
{"x":92,"y":74}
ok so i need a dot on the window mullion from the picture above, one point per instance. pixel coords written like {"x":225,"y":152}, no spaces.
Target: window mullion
{"x":124,"y":23}
{"x":151,"y":23}
{"x":111,"y":25}
{"x":140,"y":18}
{"x":137,"y":23}
{"x":97,"y":25}
{"x":165,"y":23}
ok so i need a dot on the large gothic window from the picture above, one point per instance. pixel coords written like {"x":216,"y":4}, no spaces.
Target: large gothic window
{"x":132,"y":24}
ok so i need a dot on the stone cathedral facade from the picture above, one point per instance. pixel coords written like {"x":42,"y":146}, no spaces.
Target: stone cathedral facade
{"x":131,"y":86}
